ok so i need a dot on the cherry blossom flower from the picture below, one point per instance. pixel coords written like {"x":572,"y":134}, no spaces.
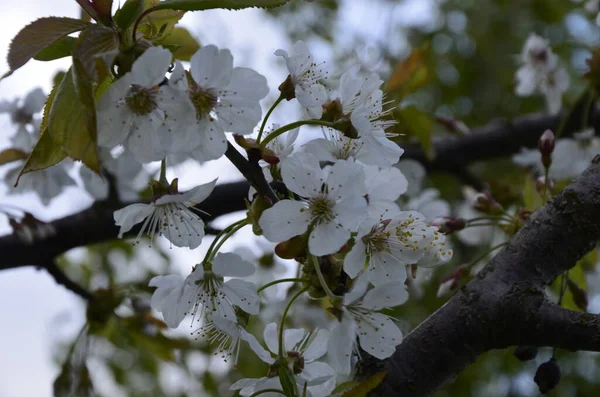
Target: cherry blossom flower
{"x":283,"y":145}
{"x":135,"y":111}
{"x":204,"y":294}
{"x":224,"y":99}
{"x":333,"y":204}
{"x":540,"y":71}
{"x":387,"y":247}
{"x":377,"y":333}
{"x":302,"y":350}
{"x":171,"y":215}
{"x":22,"y":115}
{"x":304,"y":75}
{"x":335,"y":146}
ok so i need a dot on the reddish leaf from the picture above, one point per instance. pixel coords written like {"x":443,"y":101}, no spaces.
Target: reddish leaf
{"x":38,"y":35}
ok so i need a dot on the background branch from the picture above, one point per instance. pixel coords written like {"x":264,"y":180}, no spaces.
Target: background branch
{"x":61,"y":278}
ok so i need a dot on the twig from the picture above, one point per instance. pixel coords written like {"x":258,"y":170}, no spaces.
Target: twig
{"x":61,"y":278}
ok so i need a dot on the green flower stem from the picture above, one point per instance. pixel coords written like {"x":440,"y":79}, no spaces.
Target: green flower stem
{"x":291,"y":126}
{"x":285,"y":312}
{"x":163,"y":172}
{"x":283,"y":280}
{"x":267,"y":391}
{"x":321,"y":278}
{"x":225,"y":233}
{"x":226,"y":237}
{"x":494,"y":248}
{"x":264,"y":123}
{"x":488,"y":218}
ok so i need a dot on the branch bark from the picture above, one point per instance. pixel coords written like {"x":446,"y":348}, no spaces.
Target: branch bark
{"x":505,"y":304}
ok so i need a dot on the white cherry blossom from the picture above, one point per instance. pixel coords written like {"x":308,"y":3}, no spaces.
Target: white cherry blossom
{"x":22,"y":115}
{"x":204,"y":294}
{"x":540,"y":71}
{"x":283,"y":145}
{"x":385,"y":248}
{"x":136,"y":112}
{"x":171,"y":215}
{"x":302,"y":349}
{"x":333,"y":203}
{"x":377,"y":333}
{"x":224,"y":99}
{"x":304,"y":75}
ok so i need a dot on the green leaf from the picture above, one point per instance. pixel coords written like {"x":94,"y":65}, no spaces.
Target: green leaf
{"x":46,"y":152}
{"x":288,"y":383}
{"x":93,"y":45}
{"x":344,"y":387}
{"x":11,"y":154}
{"x":414,"y":122}
{"x":183,"y":43}
{"x":577,"y":276}
{"x":72,"y":119}
{"x":366,"y":386}
{"x":126,"y":15}
{"x":199,"y":5}
{"x":38,"y":35}
{"x":73,"y":381}
{"x":61,"y":48}
{"x":158,"y":25}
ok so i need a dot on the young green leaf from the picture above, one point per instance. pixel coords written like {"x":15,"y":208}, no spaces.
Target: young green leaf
{"x":96,"y":48}
{"x":366,"y":386}
{"x":38,"y":35}
{"x":126,"y":15}
{"x":181,"y":43}
{"x":100,"y":10}
{"x":61,"y":48}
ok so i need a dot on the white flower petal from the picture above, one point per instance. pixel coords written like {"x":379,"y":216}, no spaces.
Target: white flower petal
{"x":340,"y":347}
{"x":355,"y":260}
{"x":327,"y":238}
{"x":257,"y":347}
{"x":150,"y":68}
{"x":378,"y":335}
{"x":345,"y":179}
{"x":302,"y":174}
{"x":385,"y":296}
{"x":286,"y":219}
{"x":131,"y":215}
{"x":318,"y":346}
{"x":243,"y":294}
{"x":270,"y":335}
{"x":228,"y":264}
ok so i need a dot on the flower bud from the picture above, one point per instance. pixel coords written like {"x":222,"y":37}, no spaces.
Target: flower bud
{"x":525,"y":353}
{"x":448,"y":224}
{"x":332,"y":110}
{"x":546,"y":147}
{"x":292,"y":248}
{"x":451,"y":282}
{"x":288,"y":91}
{"x":547,"y":376}
{"x":580,"y":297}
{"x":485,"y":203}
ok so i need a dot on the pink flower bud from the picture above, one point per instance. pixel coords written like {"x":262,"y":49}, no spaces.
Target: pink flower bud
{"x":451,"y":282}
{"x":448,"y":224}
{"x":485,"y":203}
{"x":546,"y":143}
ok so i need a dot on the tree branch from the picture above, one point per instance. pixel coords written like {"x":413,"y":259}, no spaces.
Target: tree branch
{"x":505,"y":304}
{"x":61,"y":278}
{"x":252,"y":172}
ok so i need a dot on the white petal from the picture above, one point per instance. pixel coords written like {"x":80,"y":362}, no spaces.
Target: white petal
{"x":147,"y":143}
{"x":340,"y":347}
{"x":257,"y":347}
{"x":317,"y":373}
{"x":381,"y":151}
{"x":211,"y":67}
{"x":327,"y":238}
{"x":248,"y":83}
{"x":350,"y":211}
{"x":183,"y":227}
{"x":302,"y":174}
{"x":131,"y":215}
{"x":213,"y":143}
{"x":385,"y":184}
{"x":378,"y":335}
{"x":292,"y":337}
{"x":355,"y":260}
{"x":286,"y":219}
{"x":191,"y":197}
{"x":527,"y":81}
{"x":318,"y":346}
{"x":243,"y":294}
{"x":150,"y":68}
{"x":244,"y":383}
{"x":320,"y":148}
{"x":270,"y":335}
{"x":385,"y":296}
{"x":312,"y":96}
{"x":228,"y":264}
{"x":169,"y":298}
{"x":383,"y":267}
{"x":345,"y":179}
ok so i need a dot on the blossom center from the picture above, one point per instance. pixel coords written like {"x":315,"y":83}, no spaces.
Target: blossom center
{"x":321,"y":208}
{"x":204,"y":100}
{"x":141,"y":100}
